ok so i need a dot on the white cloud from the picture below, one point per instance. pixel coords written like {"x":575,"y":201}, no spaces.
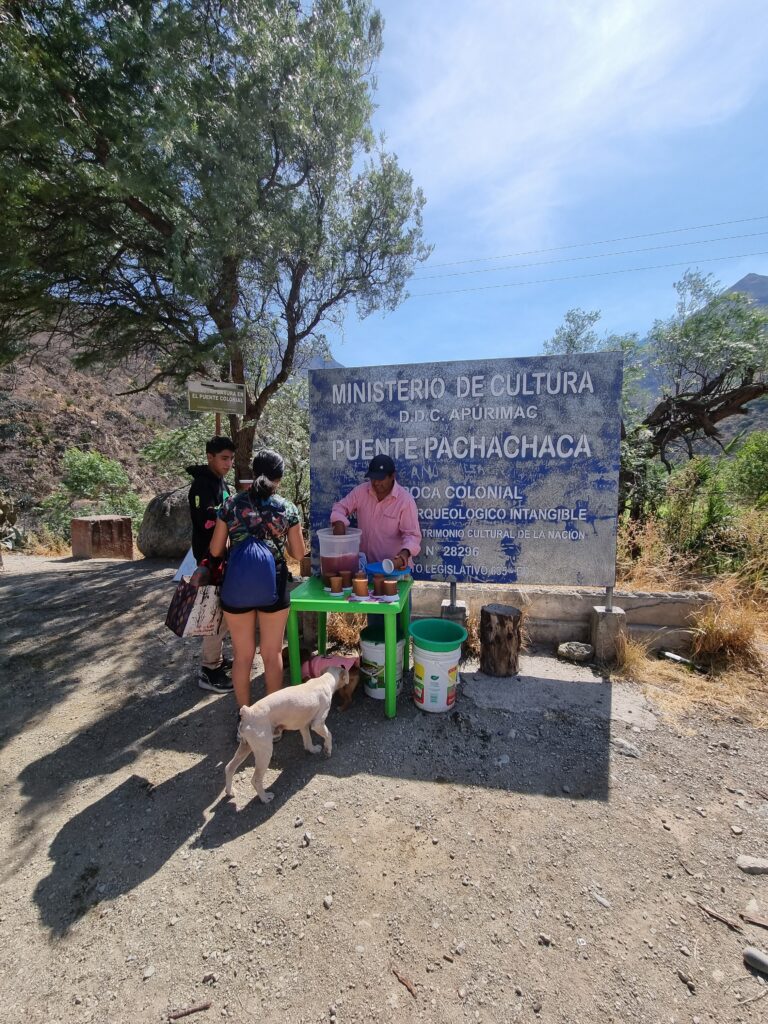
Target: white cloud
{"x":495,"y":106}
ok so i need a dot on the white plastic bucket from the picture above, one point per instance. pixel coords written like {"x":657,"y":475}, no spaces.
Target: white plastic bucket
{"x":372,"y":666}
{"x":435,"y":674}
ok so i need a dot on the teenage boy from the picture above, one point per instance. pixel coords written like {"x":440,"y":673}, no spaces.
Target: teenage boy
{"x":209,"y":489}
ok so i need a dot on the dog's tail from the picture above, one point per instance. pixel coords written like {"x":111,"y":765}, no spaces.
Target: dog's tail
{"x":254,"y":717}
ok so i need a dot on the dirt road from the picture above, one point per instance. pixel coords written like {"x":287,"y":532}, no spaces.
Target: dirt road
{"x":541,"y":853}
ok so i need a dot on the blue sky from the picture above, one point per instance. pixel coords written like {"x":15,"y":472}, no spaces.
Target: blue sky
{"x":539,"y":124}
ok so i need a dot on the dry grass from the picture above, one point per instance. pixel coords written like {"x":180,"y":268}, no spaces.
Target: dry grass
{"x":471,"y":646}
{"x":727,"y":632}
{"x":47,"y":545}
{"x":646,"y":561}
{"x":727,"y":690}
{"x":344,"y":630}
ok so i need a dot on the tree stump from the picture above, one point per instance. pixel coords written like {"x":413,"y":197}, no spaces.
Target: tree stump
{"x":499,"y":639}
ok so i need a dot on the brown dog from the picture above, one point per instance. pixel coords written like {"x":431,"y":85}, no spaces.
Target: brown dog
{"x":302,"y":707}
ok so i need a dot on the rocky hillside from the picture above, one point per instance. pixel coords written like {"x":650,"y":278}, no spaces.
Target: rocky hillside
{"x":46,"y":406}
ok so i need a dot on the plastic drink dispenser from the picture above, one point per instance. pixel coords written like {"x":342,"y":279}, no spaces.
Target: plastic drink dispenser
{"x":339,"y":553}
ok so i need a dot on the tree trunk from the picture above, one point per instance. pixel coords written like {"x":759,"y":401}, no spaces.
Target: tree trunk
{"x":499,"y":639}
{"x":243,"y":436}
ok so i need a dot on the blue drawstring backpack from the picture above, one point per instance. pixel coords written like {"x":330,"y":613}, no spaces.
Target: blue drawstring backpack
{"x":250,"y":580}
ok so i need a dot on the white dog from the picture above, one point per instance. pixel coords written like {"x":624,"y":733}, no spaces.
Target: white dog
{"x":302,"y":707}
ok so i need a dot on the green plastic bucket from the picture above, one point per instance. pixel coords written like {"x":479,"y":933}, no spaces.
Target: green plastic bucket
{"x":436,"y":653}
{"x":439,"y":635}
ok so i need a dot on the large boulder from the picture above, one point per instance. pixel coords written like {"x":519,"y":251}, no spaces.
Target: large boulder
{"x":166,"y":529}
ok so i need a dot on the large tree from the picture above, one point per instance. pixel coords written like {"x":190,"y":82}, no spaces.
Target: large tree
{"x":196,"y":184}
{"x":710,"y":359}
{"x":699,"y":367}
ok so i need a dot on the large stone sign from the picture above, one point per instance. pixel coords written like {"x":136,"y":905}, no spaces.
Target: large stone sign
{"x":514,"y":463}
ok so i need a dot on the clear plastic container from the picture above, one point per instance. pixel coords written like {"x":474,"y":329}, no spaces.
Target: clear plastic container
{"x":339,"y":552}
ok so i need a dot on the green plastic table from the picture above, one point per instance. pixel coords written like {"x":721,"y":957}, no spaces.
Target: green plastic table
{"x":311,"y":597}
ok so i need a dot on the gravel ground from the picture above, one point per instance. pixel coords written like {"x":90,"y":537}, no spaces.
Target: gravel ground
{"x":541,"y":853}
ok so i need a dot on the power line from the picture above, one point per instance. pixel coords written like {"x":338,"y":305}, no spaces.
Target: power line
{"x":577,"y":277}
{"x":604,"y":241}
{"x":593,"y":256}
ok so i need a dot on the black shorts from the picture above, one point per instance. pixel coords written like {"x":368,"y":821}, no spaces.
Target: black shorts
{"x":283,"y":598}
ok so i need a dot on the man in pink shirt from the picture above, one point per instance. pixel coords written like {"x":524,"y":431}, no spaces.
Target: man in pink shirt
{"x":385,"y":512}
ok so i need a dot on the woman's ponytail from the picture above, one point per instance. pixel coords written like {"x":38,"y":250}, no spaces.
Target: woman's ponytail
{"x":268,"y":468}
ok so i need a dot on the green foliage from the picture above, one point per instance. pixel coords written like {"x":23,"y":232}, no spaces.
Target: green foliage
{"x":285,"y":427}
{"x":92,"y":484}
{"x":196,"y":182}
{"x":748,"y":472}
{"x":714,"y":339}
{"x":575,"y":334}
{"x":173,"y":450}
{"x":642,"y":481}
{"x":698,"y":518}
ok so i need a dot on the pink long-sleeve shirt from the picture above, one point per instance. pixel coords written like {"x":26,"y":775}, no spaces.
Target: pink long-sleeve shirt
{"x":388,"y":526}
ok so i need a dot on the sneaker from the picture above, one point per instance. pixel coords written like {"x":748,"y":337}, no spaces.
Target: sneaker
{"x":226,"y":664}
{"x":214,"y":679}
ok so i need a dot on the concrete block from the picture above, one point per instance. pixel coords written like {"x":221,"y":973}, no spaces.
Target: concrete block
{"x":608,"y":628}
{"x":102,"y":537}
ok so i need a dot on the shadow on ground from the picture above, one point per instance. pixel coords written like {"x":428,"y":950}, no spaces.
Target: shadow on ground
{"x":549,"y":737}
{"x":62,"y":625}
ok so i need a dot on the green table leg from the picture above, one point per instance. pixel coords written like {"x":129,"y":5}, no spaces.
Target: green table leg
{"x":405,"y":622}
{"x":322,"y":641}
{"x":294,"y":656}
{"x":390,"y":665}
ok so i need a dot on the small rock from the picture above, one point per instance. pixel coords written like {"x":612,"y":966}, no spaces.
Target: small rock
{"x":462,"y":993}
{"x":298,"y":822}
{"x":306,"y":839}
{"x":77,"y":1000}
{"x":148,"y":972}
{"x":329,"y":805}
{"x":328,"y":902}
{"x":602,"y":900}
{"x":544,"y":939}
{"x":460,"y":948}
{"x":756,"y":959}
{"x":573,"y":651}
{"x":685,"y":951}
{"x":737,"y":830}
{"x":536,"y":1006}
{"x":625,"y":747}
{"x":210,"y":978}
{"x":752,"y":865}
{"x":518,"y":990}
{"x":501,"y":761}
{"x":686,"y":981}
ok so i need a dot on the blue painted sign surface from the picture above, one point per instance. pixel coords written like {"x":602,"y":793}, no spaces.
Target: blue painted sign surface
{"x":513,"y":463}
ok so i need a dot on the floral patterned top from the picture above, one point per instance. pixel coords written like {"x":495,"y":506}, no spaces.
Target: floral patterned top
{"x":268,"y":519}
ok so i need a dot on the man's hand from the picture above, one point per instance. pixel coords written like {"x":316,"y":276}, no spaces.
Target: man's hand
{"x":339,"y":529}
{"x":400,"y":560}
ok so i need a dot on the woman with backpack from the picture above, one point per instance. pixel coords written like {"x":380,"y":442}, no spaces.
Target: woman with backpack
{"x":259,"y":527}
